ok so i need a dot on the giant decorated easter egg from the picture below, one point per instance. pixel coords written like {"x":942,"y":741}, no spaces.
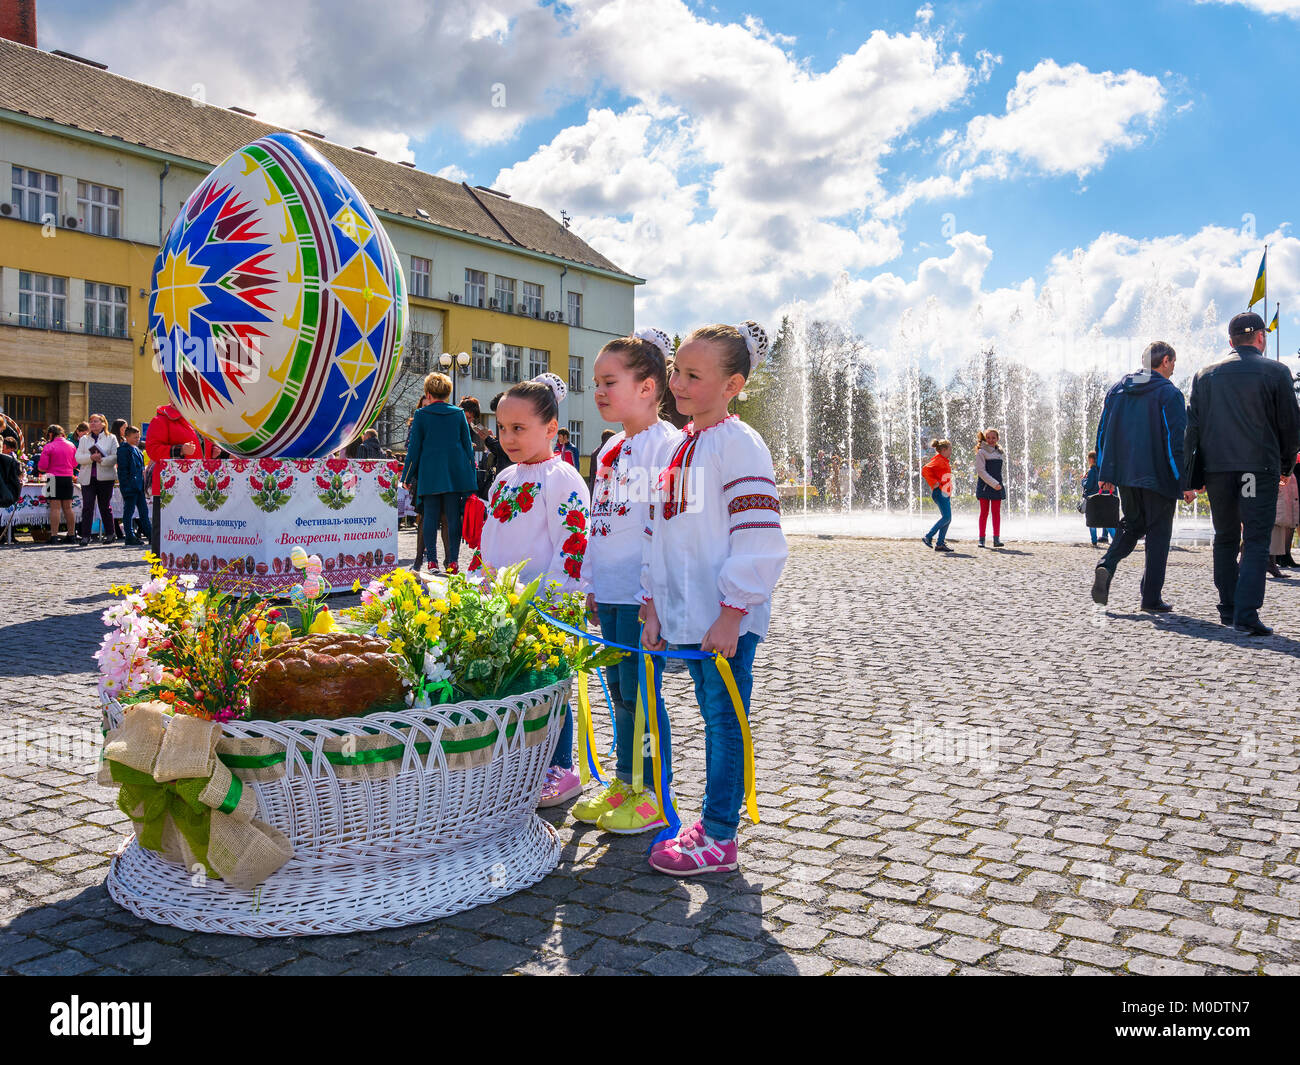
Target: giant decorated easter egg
{"x":278,"y":305}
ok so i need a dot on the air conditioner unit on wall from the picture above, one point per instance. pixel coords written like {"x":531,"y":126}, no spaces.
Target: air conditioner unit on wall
{"x":7,"y":210}
{"x":559,"y":316}
{"x":71,"y":222}
{"x":492,"y":303}
{"x":455,"y":299}
{"x":550,"y":316}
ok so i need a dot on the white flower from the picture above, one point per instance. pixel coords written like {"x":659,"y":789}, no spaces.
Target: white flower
{"x":187,"y":580}
{"x":154,"y":586}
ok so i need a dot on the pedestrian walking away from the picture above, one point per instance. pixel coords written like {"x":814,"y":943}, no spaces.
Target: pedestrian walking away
{"x":1243,"y":431}
{"x":1092,"y":487}
{"x":1140,"y":440}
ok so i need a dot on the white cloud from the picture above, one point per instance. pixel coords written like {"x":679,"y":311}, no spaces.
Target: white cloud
{"x":1095,"y":306}
{"x":1067,"y":120}
{"x":1264,"y":7}
{"x":452,"y":173}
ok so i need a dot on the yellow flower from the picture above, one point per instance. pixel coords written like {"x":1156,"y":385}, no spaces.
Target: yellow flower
{"x":356,"y":585}
{"x":421,"y":618}
{"x":398,"y":647}
{"x":471,"y":635}
{"x":552,"y":660}
{"x":453,"y":598}
{"x":383,"y":628}
{"x":512,"y":599}
{"x":440,"y":605}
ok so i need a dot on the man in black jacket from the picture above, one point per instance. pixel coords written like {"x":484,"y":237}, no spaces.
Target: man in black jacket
{"x":1243,"y":430}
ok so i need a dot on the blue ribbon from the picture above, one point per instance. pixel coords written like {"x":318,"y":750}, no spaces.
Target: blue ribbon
{"x":564,"y":626}
{"x":613,"y":721}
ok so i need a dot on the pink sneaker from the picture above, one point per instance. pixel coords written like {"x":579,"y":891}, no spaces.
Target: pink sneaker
{"x":561,"y":786}
{"x":694,"y":852}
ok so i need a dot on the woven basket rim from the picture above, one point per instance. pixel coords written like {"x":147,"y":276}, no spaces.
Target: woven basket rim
{"x":434,"y":716}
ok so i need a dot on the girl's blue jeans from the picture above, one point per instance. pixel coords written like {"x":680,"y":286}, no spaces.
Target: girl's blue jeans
{"x":563,"y":756}
{"x":619,"y":622}
{"x":945,"y":515}
{"x":1093,"y":533}
{"x":724,"y":750}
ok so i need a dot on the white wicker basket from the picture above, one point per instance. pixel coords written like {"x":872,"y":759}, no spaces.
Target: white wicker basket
{"x":434,"y":836}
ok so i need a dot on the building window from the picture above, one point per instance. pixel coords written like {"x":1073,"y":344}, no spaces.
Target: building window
{"x":475,"y":288}
{"x":532,"y":299}
{"x":100,"y":208}
{"x":421,"y":269}
{"x":575,"y":436}
{"x":539,"y":362}
{"x":420,"y":357}
{"x":481,"y":370}
{"x":514,"y":356}
{"x":36,"y":195}
{"x":575,"y":373}
{"x":505,"y":294}
{"x":105,"y":313}
{"x":575,"y":308}
{"x":42,"y":300}
{"x":30,"y":412}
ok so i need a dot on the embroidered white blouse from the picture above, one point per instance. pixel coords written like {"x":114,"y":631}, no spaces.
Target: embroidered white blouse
{"x":537,"y":511}
{"x":714,"y":537}
{"x":627,"y":477}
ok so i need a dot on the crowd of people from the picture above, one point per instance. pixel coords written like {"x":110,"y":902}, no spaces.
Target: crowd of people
{"x":1237,"y":439}
{"x":674,"y":536}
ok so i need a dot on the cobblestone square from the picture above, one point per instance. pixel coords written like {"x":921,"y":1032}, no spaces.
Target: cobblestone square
{"x":963,"y":767}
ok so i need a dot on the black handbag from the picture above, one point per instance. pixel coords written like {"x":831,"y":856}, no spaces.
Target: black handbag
{"x":1102,"y":511}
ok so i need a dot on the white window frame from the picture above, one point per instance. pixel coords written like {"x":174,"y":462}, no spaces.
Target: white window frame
{"x":481,"y":360}
{"x":573,"y":313}
{"x":539,"y":362}
{"x":575,"y":373}
{"x":475,"y":288}
{"x":100,"y":208}
{"x":420,"y":353}
{"x":42,"y":300}
{"x":504,"y":293}
{"x":533,"y":297}
{"x":575,"y":436}
{"x":37,"y":202}
{"x":513,"y":363}
{"x":421,"y":276}
{"x":104,"y":313}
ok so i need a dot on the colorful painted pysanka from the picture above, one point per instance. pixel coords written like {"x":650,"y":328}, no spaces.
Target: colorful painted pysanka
{"x":278,"y":305}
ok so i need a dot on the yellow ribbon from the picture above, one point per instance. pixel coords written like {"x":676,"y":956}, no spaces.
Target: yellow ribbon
{"x":751,"y":794}
{"x":586,"y":731}
{"x":652,"y":714}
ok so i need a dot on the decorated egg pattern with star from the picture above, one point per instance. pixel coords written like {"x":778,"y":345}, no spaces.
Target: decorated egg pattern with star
{"x":277,"y":305}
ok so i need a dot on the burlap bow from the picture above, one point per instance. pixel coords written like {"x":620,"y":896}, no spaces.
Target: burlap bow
{"x":184,"y":802}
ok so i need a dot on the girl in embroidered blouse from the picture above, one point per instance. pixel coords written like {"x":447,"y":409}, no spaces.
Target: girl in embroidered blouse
{"x":631,"y":376}
{"x":713,"y":554}
{"x":537,"y":514}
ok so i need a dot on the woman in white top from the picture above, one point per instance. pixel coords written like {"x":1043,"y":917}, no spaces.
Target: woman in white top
{"x":630,"y":375}
{"x":97,"y":473}
{"x":714,"y":553}
{"x":537,"y":514}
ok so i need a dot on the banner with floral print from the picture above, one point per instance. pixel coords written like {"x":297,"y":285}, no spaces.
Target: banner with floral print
{"x":241,"y":517}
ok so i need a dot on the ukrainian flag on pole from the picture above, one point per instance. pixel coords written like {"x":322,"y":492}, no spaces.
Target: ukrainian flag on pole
{"x":1272,"y":326}
{"x":1260,"y":286}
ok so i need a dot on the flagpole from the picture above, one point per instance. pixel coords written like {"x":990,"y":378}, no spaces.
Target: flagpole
{"x":1277,"y":317}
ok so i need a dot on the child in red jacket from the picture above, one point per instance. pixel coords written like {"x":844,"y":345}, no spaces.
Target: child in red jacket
{"x":169,"y":436}
{"x":938,"y":475}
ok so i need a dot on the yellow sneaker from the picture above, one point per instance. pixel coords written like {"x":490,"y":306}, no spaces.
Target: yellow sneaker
{"x":638,"y":812}
{"x":589,"y":811}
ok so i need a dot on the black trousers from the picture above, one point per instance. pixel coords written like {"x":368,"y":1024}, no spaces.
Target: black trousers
{"x":450,"y":504}
{"x":1145,"y":514}
{"x":1243,"y":506}
{"x":97,"y":493}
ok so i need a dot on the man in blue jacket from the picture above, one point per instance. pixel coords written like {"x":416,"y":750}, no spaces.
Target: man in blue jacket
{"x":1140,"y":451}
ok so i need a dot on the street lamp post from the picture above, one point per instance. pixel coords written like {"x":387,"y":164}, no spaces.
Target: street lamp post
{"x":461,"y":360}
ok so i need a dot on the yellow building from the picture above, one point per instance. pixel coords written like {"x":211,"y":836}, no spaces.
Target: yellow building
{"x":98,"y":167}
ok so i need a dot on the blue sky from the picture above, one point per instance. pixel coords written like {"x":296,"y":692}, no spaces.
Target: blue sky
{"x":935,"y":175}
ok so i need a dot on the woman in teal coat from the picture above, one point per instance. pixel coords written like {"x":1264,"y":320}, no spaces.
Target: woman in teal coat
{"x":439,"y":469}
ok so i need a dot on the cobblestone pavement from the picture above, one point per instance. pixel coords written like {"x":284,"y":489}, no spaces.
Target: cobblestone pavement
{"x":963,"y":767}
